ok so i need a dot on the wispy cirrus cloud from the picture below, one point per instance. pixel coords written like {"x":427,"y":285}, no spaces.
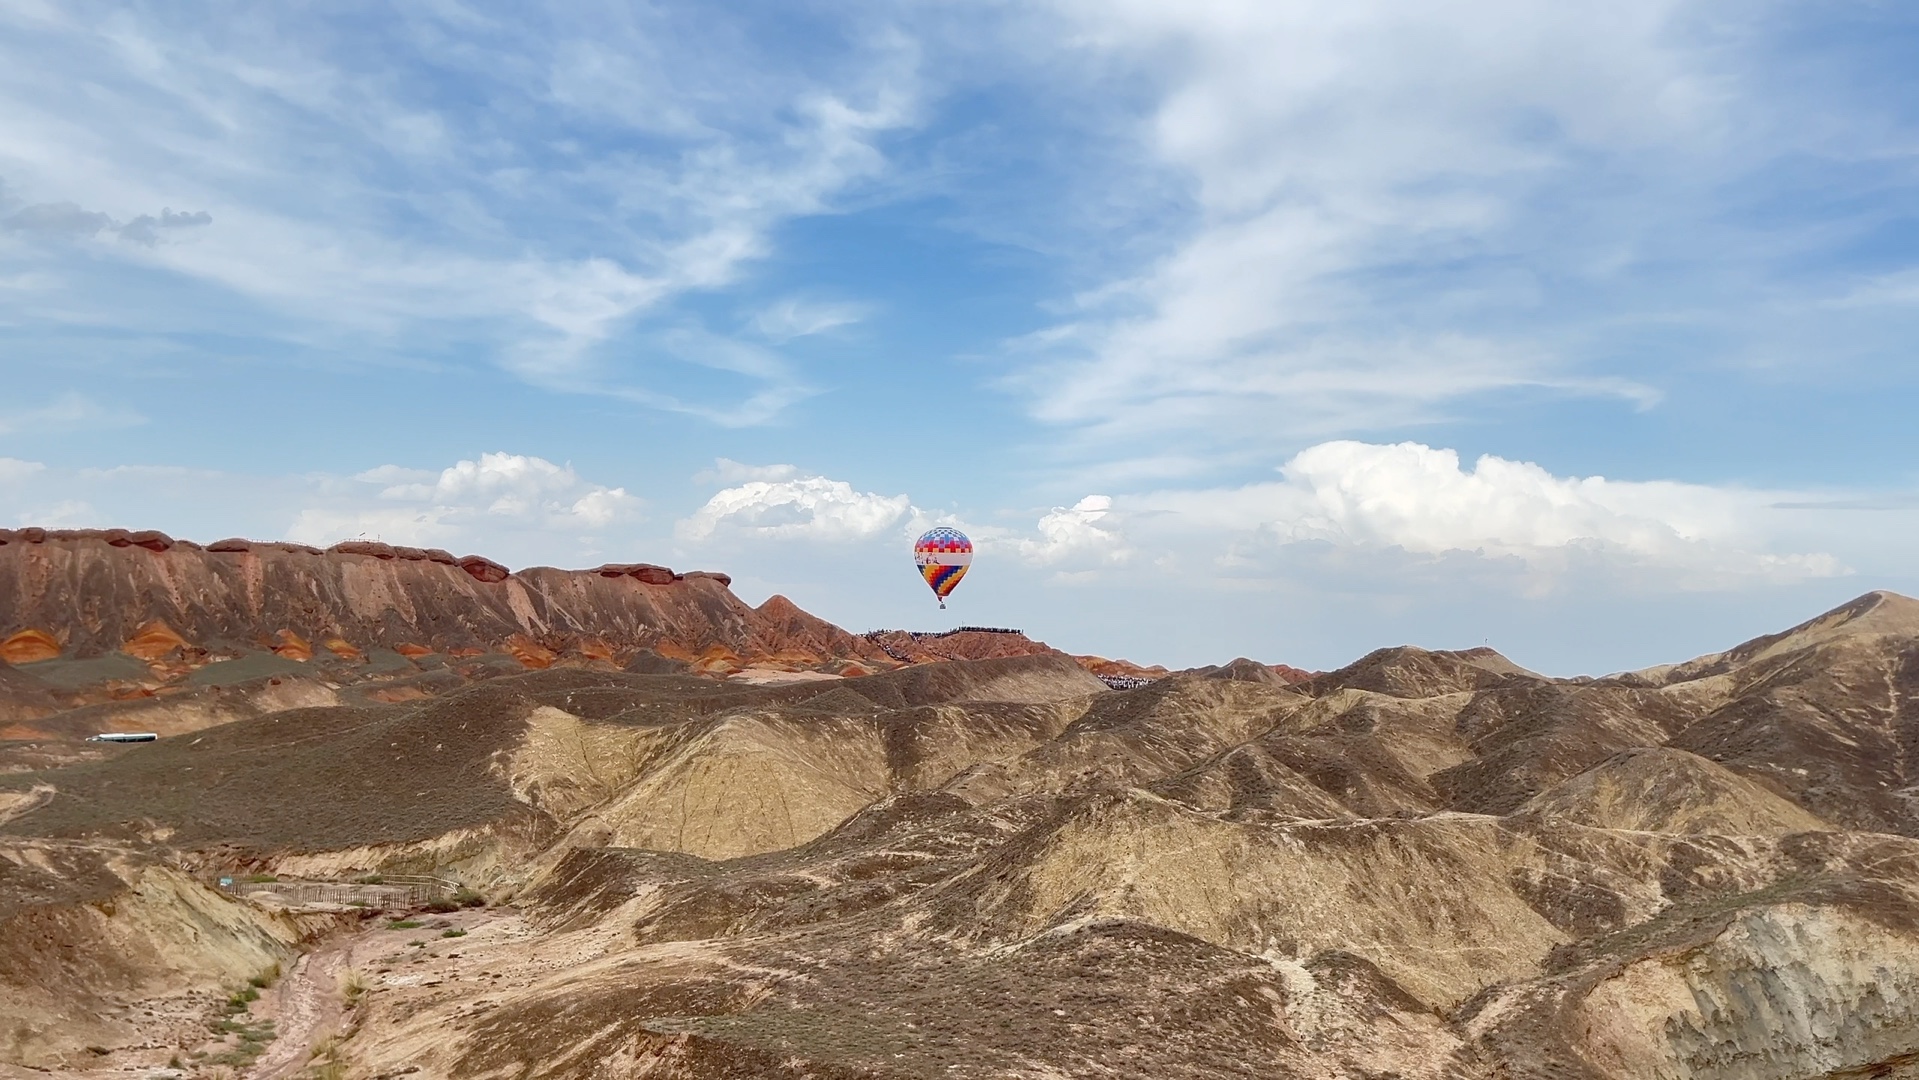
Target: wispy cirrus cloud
{"x":592,"y":168}
{"x":794,"y":318}
{"x":1394,"y":216}
{"x":66,"y":413}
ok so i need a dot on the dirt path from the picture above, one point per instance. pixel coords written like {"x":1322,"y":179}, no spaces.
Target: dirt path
{"x":306,"y":1006}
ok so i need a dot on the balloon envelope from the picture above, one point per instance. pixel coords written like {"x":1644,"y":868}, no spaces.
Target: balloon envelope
{"x":943,"y":555}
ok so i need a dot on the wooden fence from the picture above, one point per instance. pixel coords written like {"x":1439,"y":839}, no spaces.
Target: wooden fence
{"x":391,"y":892}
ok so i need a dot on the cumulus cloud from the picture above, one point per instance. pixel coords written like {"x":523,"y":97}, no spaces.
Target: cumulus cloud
{"x":516,"y":485}
{"x":1416,"y":499}
{"x":497,"y":490}
{"x":1074,"y":533}
{"x":806,"y":507}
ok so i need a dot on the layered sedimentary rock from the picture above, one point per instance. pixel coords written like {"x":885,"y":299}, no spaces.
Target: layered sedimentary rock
{"x":84,"y":593}
{"x":1424,"y":864}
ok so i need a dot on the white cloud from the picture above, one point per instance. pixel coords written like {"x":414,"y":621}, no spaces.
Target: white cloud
{"x":68,"y":412}
{"x":1365,"y":181}
{"x":811,"y":507}
{"x":728,"y":471}
{"x":794,"y":318}
{"x":396,"y":474}
{"x":595,"y":167}
{"x":64,"y":514}
{"x":1897,"y":289}
{"x":498,"y":490}
{"x":519,"y":509}
{"x":326,"y":525}
{"x":14,"y":469}
{"x":1073,"y":532}
{"x":1418,"y":500}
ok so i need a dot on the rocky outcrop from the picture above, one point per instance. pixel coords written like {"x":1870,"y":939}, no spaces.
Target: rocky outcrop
{"x":645,"y":572}
{"x":965,"y":643}
{"x":29,"y":645}
{"x":85,"y":593}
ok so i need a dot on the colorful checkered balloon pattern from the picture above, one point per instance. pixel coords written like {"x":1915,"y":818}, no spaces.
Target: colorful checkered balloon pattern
{"x":943,"y":555}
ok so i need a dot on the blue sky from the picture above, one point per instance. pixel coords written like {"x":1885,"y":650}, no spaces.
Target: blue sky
{"x":1277,"y":329}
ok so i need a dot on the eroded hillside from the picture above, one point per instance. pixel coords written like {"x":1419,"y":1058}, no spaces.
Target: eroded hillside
{"x":1422,"y":865}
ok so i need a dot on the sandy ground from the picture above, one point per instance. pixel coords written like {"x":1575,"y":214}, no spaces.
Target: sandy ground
{"x":164,"y":1024}
{"x":308,"y":1003}
{"x":408,"y":965}
{"x":306,"y":1006}
{"x":758,"y":676}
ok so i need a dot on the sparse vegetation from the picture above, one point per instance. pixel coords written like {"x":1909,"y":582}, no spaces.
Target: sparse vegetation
{"x":456,"y":932}
{"x":251,"y":1041}
{"x":369,"y":879}
{"x":462,"y":897}
{"x":327,"y":1062}
{"x":353,"y":986}
{"x":404,"y":924}
{"x":261,"y":879}
{"x":249,"y":1036}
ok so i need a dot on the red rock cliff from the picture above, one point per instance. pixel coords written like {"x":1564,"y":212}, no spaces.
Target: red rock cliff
{"x":92,"y":592}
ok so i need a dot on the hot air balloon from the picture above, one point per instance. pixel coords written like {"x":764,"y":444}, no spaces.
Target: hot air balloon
{"x":943,"y":555}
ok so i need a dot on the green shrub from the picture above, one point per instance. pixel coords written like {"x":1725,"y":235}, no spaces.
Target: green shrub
{"x":453,"y":933}
{"x":404,"y":924}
